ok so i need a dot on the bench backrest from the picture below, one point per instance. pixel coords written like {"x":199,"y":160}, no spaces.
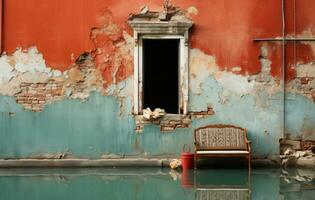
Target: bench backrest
{"x":220,"y":137}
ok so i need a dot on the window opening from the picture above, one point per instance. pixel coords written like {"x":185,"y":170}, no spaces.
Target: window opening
{"x":160,"y":74}
{"x":161,"y":48}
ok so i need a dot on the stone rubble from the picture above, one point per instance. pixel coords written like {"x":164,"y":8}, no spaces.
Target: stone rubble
{"x":292,"y":158}
{"x":157,"y":113}
{"x":175,"y":163}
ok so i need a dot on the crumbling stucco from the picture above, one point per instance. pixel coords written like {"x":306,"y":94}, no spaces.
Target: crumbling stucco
{"x":192,"y":10}
{"x":305,"y":70}
{"x":34,"y":85}
{"x":304,"y":82}
{"x":202,"y":66}
{"x":108,"y":69}
{"x":26,"y":66}
{"x":25,"y":75}
{"x":265,"y":63}
{"x":29,"y":60}
{"x":235,"y":83}
{"x":113,"y":50}
{"x":308,"y":34}
{"x":7,"y":72}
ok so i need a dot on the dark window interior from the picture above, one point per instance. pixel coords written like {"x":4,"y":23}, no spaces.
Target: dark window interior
{"x":160,"y":74}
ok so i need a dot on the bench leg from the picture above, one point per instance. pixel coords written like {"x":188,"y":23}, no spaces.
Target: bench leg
{"x":249,"y":162}
{"x":195,"y":161}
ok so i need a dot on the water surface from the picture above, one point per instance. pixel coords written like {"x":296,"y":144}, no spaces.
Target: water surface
{"x":155,"y":183}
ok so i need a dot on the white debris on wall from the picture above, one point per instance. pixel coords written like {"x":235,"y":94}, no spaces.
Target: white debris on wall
{"x":29,"y":61}
{"x":157,"y":113}
{"x":305,"y":70}
{"x":6,"y":71}
{"x":235,"y":83}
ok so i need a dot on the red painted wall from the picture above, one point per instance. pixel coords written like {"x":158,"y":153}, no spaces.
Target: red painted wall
{"x":223,"y":28}
{"x":1,"y":25}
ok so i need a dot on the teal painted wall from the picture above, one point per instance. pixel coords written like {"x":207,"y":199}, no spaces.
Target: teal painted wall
{"x":300,"y":117}
{"x":97,"y":127}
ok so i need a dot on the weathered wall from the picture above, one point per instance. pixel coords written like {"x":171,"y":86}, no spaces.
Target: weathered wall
{"x":66,"y":80}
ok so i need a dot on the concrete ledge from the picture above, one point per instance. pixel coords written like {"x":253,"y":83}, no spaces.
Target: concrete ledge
{"x":114,"y":162}
{"x":265,"y":163}
{"x":306,"y":162}
{"x":125,"y":162}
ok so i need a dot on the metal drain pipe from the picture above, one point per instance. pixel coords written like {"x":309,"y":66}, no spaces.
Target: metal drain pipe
{"x":1,"y":24}
{"x":283,"y":67}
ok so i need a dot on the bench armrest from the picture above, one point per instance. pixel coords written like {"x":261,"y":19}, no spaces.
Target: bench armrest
{"x":248,"y":143}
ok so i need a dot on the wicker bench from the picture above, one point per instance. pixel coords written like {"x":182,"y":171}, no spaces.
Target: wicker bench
{"x":221,"y":141}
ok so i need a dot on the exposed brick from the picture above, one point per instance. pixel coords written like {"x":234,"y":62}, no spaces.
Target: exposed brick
{"x":182,"y":126}
{"x":304,"y":80}
{"x":307,"y":144}
{"x":210,"y":111}
{"x":34,"y":96}
{"x":167,"y":128}
{"x":173,"y":122}
{"x":27,"y":106}
{"x":186,"y":121}
{"x":41,"y":98}
{"x":139,"y":129}
{"x":155,"y":122}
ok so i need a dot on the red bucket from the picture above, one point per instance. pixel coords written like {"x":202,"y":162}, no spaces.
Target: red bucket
{"x":187,"y":158}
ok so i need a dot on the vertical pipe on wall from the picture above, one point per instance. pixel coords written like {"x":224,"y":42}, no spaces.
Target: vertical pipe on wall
{"x":283,"y":66}
{"x":294,"y":18}
{"x":1,"y":24}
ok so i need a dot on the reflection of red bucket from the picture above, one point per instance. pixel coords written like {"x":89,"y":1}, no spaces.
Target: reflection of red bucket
{"x":187,"y":180}
{"x":187,"y":158}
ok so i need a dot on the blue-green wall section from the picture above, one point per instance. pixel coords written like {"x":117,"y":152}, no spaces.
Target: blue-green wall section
{"x":97,"y":127}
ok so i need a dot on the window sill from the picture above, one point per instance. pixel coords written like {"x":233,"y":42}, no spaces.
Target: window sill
{"x":169,"y":120}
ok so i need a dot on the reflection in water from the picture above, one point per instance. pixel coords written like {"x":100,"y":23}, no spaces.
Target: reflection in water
{"x":297,"y":184}
{"x":218,"y":184}
{"x":51,"y":184}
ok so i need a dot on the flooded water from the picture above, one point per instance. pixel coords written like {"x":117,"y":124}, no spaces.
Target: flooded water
{"x":126,"y":183}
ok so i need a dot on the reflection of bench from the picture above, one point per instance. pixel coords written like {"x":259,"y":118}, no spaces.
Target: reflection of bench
{"x":221,"y":141}
{"x":222,"y":194}
{"x":231,"y":184}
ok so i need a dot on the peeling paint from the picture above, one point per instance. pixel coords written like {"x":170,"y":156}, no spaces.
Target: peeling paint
{"x":11,"y":88}
{"x":192,"y":10}
{"x":265,"y":63}
{"x":113,"y":50}
{"x":308,"y":34}
{"x":201,"y":66}
{"x":304,"y":82}
{"x":7,"y":72}
{"x":235,"y":83}
{"x":29,"y":61}
{"x":305,"y":70}
{"x":87,"y":107}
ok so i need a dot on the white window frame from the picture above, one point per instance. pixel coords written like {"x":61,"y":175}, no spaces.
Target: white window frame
{"x":161,"y":30}
{"x":182,"y":79}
